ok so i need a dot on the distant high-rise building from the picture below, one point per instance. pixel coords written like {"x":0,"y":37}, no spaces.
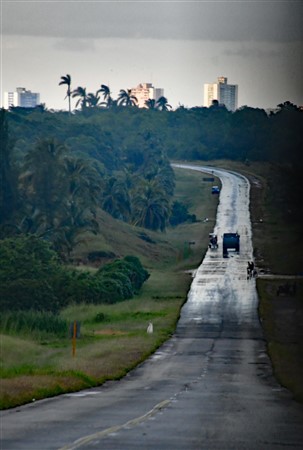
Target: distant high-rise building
{"x":225,"y":94}
{"x":146,"y":91}
{"x":21,"y":97}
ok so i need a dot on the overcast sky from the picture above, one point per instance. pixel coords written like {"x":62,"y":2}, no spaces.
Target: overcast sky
{"x":176,"y":45}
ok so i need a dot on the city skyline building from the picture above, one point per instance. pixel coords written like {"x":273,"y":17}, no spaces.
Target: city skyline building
{"x":146,"y":91}
{"x":22,"y":98}
{"x":226,"y":94}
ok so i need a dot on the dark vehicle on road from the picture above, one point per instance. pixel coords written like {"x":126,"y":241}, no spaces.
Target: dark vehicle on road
{"x":215,"y":190}
{"x":213,"y":241}
{"x":230,"y":241}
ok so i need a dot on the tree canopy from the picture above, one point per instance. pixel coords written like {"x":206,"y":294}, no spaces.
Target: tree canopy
{"x":58,"y":169}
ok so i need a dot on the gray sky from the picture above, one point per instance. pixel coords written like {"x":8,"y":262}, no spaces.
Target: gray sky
{"x":176,"y":45}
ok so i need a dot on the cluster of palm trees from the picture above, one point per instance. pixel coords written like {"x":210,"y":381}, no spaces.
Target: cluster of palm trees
{"x":58,"y":194}
{"x":90,"y":100}
{"x":62,"y":194}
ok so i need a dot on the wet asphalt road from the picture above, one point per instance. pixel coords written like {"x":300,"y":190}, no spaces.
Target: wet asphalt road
{"x":209,"y":387}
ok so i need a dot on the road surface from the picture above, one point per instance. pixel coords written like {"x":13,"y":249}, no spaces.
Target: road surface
{"x":209,"y":387}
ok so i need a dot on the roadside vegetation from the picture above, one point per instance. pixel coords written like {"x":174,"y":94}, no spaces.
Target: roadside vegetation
{"x":96,"y":227}
{"x":36,"y":347}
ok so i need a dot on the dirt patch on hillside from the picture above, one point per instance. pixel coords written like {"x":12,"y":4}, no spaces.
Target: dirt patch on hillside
{"x":110,"y":332}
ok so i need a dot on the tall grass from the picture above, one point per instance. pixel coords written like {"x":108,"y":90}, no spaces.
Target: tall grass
{"x":33,"y":323}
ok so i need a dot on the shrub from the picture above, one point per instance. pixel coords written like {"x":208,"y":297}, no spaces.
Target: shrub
{"x":32,"y":278}
{"x":101,"y":317}
{"x":131,"y":267}
{"x":27,"y":294}
{"x":140,"y":274}
{"x":27,"y":257}
{"x":180,"y":214}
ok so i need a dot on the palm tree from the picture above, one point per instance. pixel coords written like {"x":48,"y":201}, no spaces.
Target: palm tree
{"x":62,"y":194}
{"x":81,"y":93}
{"x":8,"y":177}
{"x":126,"y":98}
{"x":105,"y":91}
{"x":43,"y":183}
{"x":93,"y":100}
{"x":150,"y":206}
{"x":108,"y":100}
{"x":72,"y":230}
{"x":116,"y":199}
{"x":165,"y":176}
{"x":150,"y":103}
{"x":83,"y":181}
{"x":67,"y":80}
{"x":162,"y":104}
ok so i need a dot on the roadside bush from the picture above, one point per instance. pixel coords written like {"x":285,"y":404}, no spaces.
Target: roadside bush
{"x":28,"y":270}
{"x":180,"y":214}
{"x":32,"y":278}
{"x":27,"y":294}
{"x":101,"y":317}
{"x":124,"y":281}
{"x":140,"y":275}
{"x":114,"y":282}
{"x":27,"y":257}
{"x":131,"y":267}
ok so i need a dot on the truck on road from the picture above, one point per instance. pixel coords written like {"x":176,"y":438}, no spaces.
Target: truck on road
{"x":230,"y":241}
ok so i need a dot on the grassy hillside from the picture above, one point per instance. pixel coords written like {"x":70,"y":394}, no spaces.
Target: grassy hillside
{"x":113,"y":337}
{"x":155,"y":249}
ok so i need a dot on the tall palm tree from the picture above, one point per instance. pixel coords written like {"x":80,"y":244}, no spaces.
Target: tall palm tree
{"x":150,"y":206}
{"x":116,"y":199}
{"x":126,"y":98}
{"x":43,"y":183}
{"x":105,"y":91}
{"x":81,"y":93}
{"x":83,"y":181}
{"x":77,"y":214}
{"x":67,"y":80}
{"x":61,"y":195}
{"x":108,"y":100}
{"x":8,"y":174}
{"x":162,"y":104}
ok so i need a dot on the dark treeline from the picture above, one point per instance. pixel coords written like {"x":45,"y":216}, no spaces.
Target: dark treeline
{"x":197,"y":133}
{"x":56,"y":171}
{"x":58,"y":168}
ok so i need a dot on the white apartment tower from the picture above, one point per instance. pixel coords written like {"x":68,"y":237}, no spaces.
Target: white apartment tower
{"x":21,"y":97}
{"x":226,"y":94}
{"x":146,"y":91}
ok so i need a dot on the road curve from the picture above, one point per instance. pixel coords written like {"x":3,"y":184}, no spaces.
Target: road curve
{"x":209,"y":387}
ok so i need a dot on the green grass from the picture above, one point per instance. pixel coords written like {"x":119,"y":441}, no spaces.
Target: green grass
{"x":281,"y":318}
{"x":41,"y":364}
{"x":33,"y":323}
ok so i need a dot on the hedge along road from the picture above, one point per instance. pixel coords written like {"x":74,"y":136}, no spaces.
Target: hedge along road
{"x":209,"y":387}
